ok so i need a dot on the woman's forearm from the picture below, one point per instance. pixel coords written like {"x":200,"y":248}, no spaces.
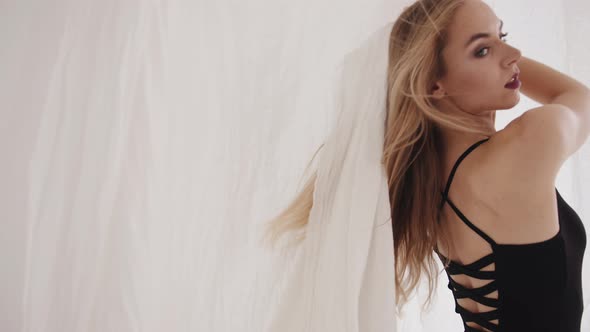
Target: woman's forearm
{"x":542,"y":83}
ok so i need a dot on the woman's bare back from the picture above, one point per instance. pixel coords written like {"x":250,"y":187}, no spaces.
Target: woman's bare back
{"x":504,"y":206}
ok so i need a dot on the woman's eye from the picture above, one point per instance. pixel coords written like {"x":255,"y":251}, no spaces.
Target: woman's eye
{"x":503,"y":36}
{"x":479,"y":53}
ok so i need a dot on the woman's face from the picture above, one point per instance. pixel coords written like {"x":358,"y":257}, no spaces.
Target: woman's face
{"x":479,"y":61}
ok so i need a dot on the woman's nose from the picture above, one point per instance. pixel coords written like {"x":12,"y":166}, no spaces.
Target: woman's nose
{"x":514,"y":55}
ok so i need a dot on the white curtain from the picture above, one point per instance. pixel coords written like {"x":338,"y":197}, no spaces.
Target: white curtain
{"x":145,"y":142}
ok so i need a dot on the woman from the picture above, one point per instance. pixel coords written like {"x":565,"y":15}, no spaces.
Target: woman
{"x":511,"y":246}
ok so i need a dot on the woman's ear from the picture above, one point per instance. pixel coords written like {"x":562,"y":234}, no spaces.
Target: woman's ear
{"x":438,"y":91}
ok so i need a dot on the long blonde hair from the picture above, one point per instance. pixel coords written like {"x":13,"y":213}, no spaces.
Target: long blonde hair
{"x":412,"y":147}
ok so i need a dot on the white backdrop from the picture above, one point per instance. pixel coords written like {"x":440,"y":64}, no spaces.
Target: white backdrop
{"x":144,"y":142}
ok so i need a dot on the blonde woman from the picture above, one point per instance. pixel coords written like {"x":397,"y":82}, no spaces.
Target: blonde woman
{"x":484,"y":201}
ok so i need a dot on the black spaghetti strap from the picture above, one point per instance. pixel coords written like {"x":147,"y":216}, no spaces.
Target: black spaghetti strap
{"x":468,"y":151}
{"x":470,"y":224}
{"x":453,"y":206}
{"x":459,"y":160}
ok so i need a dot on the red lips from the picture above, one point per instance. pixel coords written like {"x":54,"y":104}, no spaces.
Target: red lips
{"x":515,"y":76}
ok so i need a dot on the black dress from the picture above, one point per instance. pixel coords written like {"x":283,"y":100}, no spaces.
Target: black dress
{"x":539,"y":284}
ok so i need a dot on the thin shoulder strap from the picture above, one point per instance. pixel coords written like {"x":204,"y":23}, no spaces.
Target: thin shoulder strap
{"x":448,"y":186}
{"x":459,"y":160}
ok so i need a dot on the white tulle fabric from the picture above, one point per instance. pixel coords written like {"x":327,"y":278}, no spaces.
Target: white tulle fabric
{"x":343,"y":278}
{"x":144,"y":142}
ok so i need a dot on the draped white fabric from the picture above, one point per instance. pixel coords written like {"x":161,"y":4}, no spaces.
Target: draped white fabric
{"x":145,"y":142}
{"x":340,"y":280}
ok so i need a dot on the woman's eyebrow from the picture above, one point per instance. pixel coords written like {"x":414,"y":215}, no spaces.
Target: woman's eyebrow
{"x":481,"y":35}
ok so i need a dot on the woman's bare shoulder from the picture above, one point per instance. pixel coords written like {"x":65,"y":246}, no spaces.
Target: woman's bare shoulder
{"x":512,"y":160}
{"x":512,"y":189}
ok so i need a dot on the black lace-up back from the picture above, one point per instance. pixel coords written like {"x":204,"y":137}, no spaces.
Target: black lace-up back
{"x":538,"y":284}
